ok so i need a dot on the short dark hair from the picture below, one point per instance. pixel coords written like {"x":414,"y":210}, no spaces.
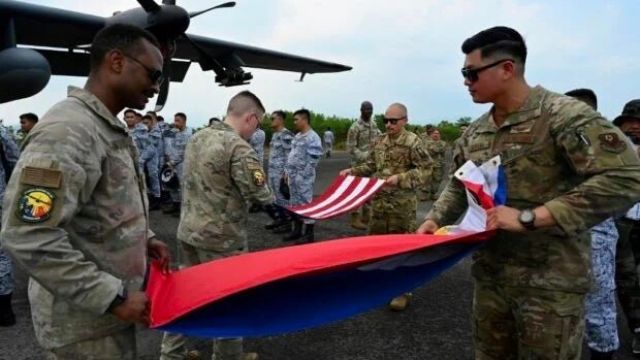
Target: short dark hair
{"x":130,"y":111}
{"x":214,"y":119}
{"x":121,"y":37}
{"x":147,"y":116}
{"x":279,"y":113}
{"x":182,"y":115}
{"x":30,"y":116}
{"x":160,"y":118}
{"x":138,"y":114}
{"x":585,"y":95}
{"x":498,"y":39}
{"x":305,"y":113}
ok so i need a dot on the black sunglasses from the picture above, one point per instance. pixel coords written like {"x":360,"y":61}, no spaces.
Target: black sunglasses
{"x":393,"y":121}
{"x":155,"y":76}
{"x":471,"y":74}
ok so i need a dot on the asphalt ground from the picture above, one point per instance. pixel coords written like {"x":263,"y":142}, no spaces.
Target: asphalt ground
{"x":436,"y":325}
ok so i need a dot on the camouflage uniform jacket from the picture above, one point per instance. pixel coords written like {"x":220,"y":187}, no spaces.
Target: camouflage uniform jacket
{"x":437,"y":150}
{"x":279,"y":148}
{"x":76,"y":219}
{"x":560,"y":153}
{"x":403,"y":155}
{"x":223,"y":174}
{"x":257,"y":143}
{"x":360,"y":137}
{"x":179,"y":142}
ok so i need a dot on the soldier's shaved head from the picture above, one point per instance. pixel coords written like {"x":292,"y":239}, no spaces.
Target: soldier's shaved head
{"x":245,"y":102}
{"x":245,"y":113}
{"x":366,"y":110}
{"x":399,"y":109}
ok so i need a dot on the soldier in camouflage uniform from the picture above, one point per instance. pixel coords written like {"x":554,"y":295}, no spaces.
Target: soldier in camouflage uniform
{"x":257,"y":143}
{"x":175,"y":156}
{"x":76,"y":218}
{"x":400,"y":158}
{"x":362,"y":134}
{"x":566,"y":169}
{"x":148,"y":158}
{"x":300,"y":173}
{"x":224,"y":173}
{"x":628,"y":249}
{"x":279,"y":149}
{"x":9,"y":153}
{"x":601,"y":328}
{"x":437,"y":148}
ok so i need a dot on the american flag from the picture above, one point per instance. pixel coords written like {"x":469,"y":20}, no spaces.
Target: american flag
{"x":344,"y":194}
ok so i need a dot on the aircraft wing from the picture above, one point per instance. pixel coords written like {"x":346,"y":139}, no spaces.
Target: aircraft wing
{"x":233,"y":55}
{"x":44,"y":26}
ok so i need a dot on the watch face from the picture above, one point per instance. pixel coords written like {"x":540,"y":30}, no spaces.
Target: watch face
{"x":527,"y":216}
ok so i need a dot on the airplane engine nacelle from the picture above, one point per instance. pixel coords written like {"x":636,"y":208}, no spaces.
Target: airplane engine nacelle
{"x":23,"y":73}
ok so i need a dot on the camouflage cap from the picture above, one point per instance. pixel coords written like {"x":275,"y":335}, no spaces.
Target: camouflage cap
{"x":631,"y":111}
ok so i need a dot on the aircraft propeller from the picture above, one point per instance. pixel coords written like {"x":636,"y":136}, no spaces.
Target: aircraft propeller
{"x":153,"y":9}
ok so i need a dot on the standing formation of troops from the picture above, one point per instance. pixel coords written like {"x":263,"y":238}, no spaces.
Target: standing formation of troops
{"x":76,"y":207}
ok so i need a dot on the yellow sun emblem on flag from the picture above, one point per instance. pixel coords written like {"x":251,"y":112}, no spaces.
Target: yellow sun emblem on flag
{"x":35,"y":205}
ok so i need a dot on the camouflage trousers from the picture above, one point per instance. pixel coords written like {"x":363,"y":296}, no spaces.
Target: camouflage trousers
{"x":525,"y":323}
{"x":600,"y":306}
{"x":393,"y":213}
{"x":150,"y":168}
{"x":173,"y":345}
{"x":274,"y":184}
{"x":430,"y":191}
{"x":627,"y":261}
{"x":6,"y":274}
{"x":176,"y":194}
{"x":118,"y":346}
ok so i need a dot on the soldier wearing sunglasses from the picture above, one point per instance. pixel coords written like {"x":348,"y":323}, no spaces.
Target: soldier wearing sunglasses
{"x":567,"y":169}
{"x":399,"y":157}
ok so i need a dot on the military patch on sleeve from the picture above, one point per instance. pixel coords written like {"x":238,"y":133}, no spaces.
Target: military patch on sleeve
{"x":611,"y":142}
{"x":50,"y":178}
{"x":258,"y":177}
{"x":35,"y":205}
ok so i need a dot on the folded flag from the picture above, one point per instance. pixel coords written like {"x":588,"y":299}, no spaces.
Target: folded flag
{"x":344,"y":194}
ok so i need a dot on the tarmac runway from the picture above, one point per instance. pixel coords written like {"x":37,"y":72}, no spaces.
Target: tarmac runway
{"x":436,"y":325}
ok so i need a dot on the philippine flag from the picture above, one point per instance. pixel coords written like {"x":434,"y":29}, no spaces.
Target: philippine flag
{"x":288,"y":289}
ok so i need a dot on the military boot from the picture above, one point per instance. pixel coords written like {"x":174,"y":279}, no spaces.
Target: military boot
{"x":308,"y":236}
{"x":366,"y":215}
{"x":356,"y":223}
{"x":635,"y":344}
{"x":401,"y":302}
{"x":7,"y":317}
{"x":283,"y":228}
{"x":296,"y":233}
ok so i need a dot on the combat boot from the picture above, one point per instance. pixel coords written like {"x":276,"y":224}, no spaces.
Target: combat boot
{"x":308,"y":236}
{"x":296,"y":233}
{"x":366,"y":215}
{"x":356,"y":223}
{"x":7,"y":317}
{"x":635,"y":344}
{"x":154,"y":203}
{"x":401,"y":302}
{"x":283,"y":228}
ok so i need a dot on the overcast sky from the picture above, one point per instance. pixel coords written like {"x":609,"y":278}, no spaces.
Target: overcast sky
{"x":401,"y":51}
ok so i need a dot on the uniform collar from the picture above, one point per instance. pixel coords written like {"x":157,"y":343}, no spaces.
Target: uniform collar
{"x":531,"y":108}
{"x":97,"y":106}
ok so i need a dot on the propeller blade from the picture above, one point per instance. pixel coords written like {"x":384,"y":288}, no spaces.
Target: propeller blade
{"x":163,"y":95}
{"x":225,"y":5}
{"x":149,"y":6}
{"x":168,"y":2}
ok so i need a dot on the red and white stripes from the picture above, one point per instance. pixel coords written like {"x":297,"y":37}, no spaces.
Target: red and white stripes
{"x":344,"y":194}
